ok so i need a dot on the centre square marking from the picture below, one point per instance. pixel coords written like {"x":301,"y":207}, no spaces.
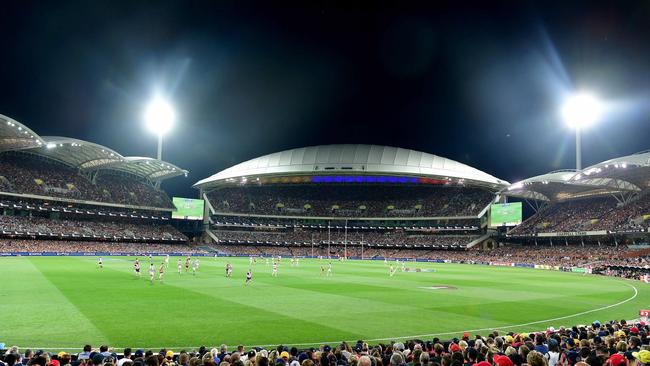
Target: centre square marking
{"x":438,"y":287}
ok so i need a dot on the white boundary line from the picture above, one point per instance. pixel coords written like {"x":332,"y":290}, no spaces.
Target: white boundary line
{"x":636,"y":293}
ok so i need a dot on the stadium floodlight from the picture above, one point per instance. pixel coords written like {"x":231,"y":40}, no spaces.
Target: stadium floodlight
{"x":580,"y":111}
{"x":159,"y":117}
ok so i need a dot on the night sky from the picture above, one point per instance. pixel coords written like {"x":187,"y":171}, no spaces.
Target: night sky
{"x":478,"y":82}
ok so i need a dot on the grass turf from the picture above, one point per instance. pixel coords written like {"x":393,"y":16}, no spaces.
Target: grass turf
{"x":66,"y":302}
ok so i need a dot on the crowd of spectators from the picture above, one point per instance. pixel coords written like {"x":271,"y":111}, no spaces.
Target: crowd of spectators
{"x":614,"y":343}
{"x":394,"y":237}
{"x":26,"y":225}
{"x":351,"y":200}
{"x":66,"y":246}
{"x":599,"y":213}
{"x":435,"y":224}
{"x":21,"y":173}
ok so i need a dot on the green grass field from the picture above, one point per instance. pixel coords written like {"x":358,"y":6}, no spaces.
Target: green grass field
{"x":66,"y":302}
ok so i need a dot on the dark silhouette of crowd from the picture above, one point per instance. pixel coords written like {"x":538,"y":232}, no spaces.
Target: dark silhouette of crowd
{"x":613,"y":343}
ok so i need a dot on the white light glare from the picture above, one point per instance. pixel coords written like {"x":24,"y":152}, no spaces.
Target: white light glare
{"x":581,"y":110}
{"x":159,"y":116}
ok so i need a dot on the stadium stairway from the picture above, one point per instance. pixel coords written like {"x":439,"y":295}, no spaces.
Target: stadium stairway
{"x":478,"y":240}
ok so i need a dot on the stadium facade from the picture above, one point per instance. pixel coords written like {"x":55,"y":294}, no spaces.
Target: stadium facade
{"x":360,"y":191}
{"x":605,"y":202}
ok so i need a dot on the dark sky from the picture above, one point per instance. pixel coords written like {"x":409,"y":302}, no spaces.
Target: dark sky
{"x":479,"y":82}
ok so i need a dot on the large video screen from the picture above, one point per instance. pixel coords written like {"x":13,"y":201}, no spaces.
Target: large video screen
{"x":505,"y":214}
{"x":187,"y":209}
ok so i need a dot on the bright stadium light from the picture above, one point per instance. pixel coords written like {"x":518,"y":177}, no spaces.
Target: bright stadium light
{"x":159,"y":117}
{"x":580,"y":111}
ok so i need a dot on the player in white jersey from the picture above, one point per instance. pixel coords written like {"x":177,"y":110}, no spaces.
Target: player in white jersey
{"x":392,"y":271}
{"x":297,"y":262}
{"x":167,"y":261}
{"x":250,"y":260}
{"x":100,"y":263}
{"x":228,"y":270}
{"x":249,"y":277}
{"x":136,"y":267}
{"x":403,"y":266}
{"x":152,"y":271}
{"x":195,"y":266}
{"x":275,"y":270}
{"x":179,"y":265}
{"x":329,"y":269}
{"x":292,"y":261}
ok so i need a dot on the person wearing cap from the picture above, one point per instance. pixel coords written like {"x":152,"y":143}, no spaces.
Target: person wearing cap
{"x":139,"y":354}
{"x":571,"y":358}
{"x":98,"y":359}
{"x":169,"y":358}
{"x":553,"y":354}
{"x":642,"y":356}
{"x":617,"y":359}
{"x":502,"y":361}
{"x":285,"y":355}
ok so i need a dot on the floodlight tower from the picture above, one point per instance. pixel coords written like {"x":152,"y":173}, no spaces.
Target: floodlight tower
{"x":159,"y":117}
{"x":580,"y":111}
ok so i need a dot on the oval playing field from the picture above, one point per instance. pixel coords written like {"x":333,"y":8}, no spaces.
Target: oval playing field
{"x":85,"y":304}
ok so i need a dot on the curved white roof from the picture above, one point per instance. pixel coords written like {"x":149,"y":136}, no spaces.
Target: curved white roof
{"x":16,"y":136}
{"x":81,"y":154}
{"x":641,"y":159}
{"x":629,"y":173}
{"x":352,"y":159}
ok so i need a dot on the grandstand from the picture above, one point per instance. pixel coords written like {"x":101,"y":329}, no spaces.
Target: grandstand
{"x":356,"y":195}
{"x":608,"y":199}
{"x":65,"y":188}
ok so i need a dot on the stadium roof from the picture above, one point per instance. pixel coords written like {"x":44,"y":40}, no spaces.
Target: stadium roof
{"x":627,"y":174}
{"x":634,"y":169}
{"x":16,"y":136}
{"x":352,"y":159}
{"x":81,"y":154}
